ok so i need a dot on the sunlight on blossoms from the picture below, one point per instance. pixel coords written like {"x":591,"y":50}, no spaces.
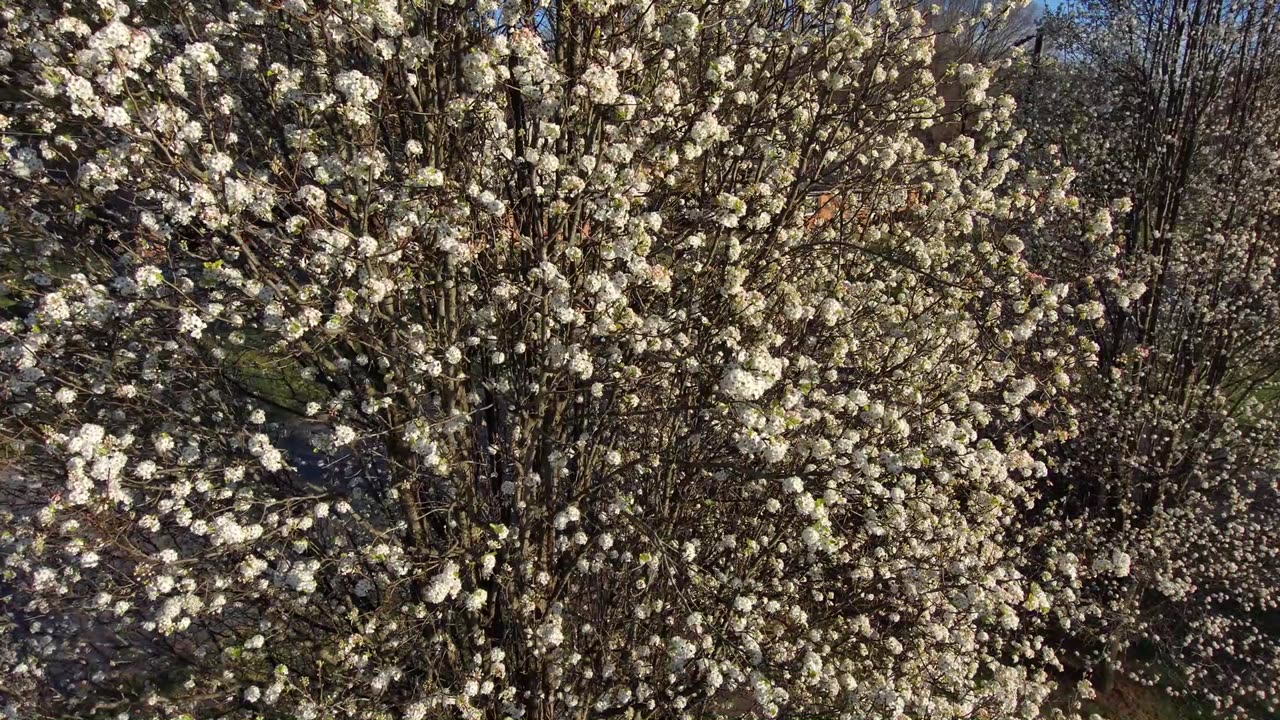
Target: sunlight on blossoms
{"x":582,"y":359}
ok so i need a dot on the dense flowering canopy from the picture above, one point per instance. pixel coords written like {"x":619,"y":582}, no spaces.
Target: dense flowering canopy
{"x":602,"y":414}
{"x":1175,"y":106}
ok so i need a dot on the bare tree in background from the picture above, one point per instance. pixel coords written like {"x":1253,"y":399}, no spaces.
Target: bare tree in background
{"x":977,"y":31}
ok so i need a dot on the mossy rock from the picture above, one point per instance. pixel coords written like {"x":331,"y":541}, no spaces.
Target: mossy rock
{"x":277,"y":379}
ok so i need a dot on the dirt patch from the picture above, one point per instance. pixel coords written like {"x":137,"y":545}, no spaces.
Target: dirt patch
{"x":1132,"y":701}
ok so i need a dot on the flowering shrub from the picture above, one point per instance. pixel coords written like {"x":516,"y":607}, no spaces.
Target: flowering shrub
{"x":605,"y":423}
{"x":1170,"y":488}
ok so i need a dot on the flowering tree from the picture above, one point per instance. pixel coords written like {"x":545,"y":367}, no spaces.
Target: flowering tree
{"x":610,"y":423}
{"x":1172,"y":108}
